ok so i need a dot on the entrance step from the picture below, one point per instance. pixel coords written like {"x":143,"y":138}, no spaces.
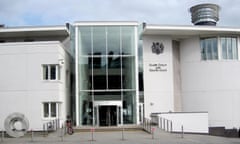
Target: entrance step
{"x":108,"y":129}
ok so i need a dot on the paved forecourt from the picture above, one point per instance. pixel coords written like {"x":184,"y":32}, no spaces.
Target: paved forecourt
{"x":117,"y":137}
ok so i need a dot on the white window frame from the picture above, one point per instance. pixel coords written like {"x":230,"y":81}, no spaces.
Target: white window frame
{"x":212,"y":49}
{"x":219,"y":48}
{"x":227,"y":51}
{"x":50,"y":110}
{"x":48,"y":67}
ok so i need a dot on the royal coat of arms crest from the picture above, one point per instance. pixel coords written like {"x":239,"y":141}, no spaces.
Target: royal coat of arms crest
{"x":157,"y":48}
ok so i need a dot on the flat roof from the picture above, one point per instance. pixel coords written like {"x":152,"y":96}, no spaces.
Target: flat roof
{"x":106,"y":23}
{"x":33,"y":31}
{"x":186,"y":31}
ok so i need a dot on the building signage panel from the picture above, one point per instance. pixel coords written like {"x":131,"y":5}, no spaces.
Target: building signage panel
{"x":157,"y":67}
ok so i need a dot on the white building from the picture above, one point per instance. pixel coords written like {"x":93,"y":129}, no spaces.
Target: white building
{"x":197,"y":71}
{"x":185,"y":69}
{"x":35,"y":74}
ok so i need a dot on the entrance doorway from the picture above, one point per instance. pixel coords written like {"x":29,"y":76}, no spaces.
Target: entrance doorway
{"x":107,"y":113}
{"x":108,"y":116}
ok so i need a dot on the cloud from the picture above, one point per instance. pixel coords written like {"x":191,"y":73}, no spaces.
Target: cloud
{"x":58,"y":12}
{"x":10,"y":12}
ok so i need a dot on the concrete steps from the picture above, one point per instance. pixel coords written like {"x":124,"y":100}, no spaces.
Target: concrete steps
{"x":108,"y":129}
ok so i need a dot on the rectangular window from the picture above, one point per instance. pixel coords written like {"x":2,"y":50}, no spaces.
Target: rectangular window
{"x":46,"y":110}
{"x":209,"y":48}
{"x":51,"y":72}
{"x":53,"y":109}
{"x":50,"y":110}
{"x":229,"y":47}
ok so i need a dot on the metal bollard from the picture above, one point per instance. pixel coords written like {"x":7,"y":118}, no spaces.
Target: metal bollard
{"x":32,"y":135}
{"x":122,"y":133}
{"x":62,"y":133}
{"x":182,"y":135}
{"x":2,"y":137}
{"x":46,"y":129}
{"x":160,"y":123}
{"x":153,"y":129}
{"x":167,"y":126}
{"x":164,"y":124}
{"x":170,"y":126}
{"x":92,"y":131}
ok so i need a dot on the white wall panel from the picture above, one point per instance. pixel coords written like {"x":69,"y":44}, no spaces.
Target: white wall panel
{"x":158,"y":85}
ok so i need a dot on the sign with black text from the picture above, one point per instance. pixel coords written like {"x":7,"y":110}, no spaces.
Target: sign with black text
{"x":157,"y":67}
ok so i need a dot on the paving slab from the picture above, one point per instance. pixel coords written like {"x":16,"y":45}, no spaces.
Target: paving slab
{"x":130,"y":137}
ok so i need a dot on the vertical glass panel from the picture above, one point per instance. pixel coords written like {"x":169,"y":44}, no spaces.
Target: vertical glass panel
{"x":53,"y":72}
{"x":209,"y":48}
{"x":129,"y":107}
{"x":128,"y":71}
{"x":128,"y":40}
{"x":45,"y":72}
{"x":141,"y":83}
{"x":234,"y":48}
{"x":99,"y":41}
{"x":85,"y":46}
{"x":46,"y":109}
{"x":86,"y":108}
{"x":224,"y":48}
{"x":99,"y":73}
{"x":114,"y":79}
{"x":53,"y":110}
{"x":114,"y":62}
{"x":85,"y":73}
{"x":229,"y":47}
{"x":113,"y":40}
{"x":119,"y":115}
{"x":58,"y":68}
{"x":214,"y":49}
{"x":96,"y":116}
{"x":114,"y":72}
{"x":99,"y":62}
{"x":203,"y":49}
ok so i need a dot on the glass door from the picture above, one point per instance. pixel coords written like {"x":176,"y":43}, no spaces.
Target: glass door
{"x":107,"y":115}
{"x":96,"y":116}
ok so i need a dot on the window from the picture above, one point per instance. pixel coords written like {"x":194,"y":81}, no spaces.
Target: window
{"x":51,"y":72}
{"x":50,"y":110}
{"x":226,"y":45}
{"x":46,"y":110}
{"x":209,"y":48}
{"x":229,"y":47}
{"x":53,"y":109}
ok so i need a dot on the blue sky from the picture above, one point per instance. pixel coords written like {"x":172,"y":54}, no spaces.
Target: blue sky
{"x":58,"y":12}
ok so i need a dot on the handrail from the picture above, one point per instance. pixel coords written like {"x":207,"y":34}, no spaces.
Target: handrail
{"x":165,"y":124}
{"x":147,"y":125}
{"x":52,"y":125}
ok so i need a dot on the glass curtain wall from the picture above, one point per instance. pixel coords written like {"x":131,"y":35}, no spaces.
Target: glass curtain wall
{"x":106,"y":62}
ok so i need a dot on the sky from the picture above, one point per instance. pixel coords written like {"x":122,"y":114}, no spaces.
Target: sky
{"x":58,"y":12}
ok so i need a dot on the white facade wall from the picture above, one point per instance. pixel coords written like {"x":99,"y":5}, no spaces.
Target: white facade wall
{"x":22,"y":88}
{"x":212,"y":86}
{"x":188,"y":122}
{"x":158,"y":85}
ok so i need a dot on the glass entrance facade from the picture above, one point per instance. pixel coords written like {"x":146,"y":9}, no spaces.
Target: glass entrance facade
{"x":106,"y":60}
